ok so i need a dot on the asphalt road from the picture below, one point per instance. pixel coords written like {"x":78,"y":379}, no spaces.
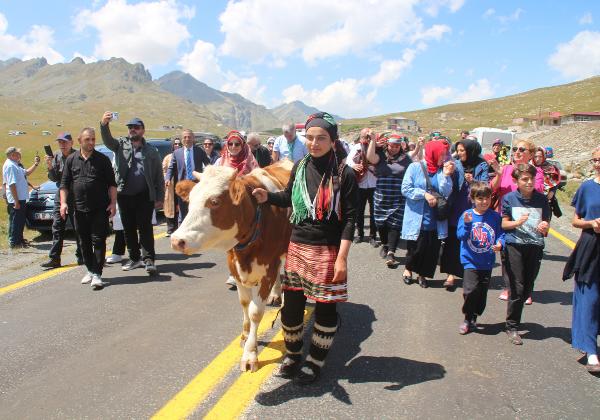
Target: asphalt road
{"x":124,"y":352}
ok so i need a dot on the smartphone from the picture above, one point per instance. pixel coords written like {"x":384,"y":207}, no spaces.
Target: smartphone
{"x":115,"y":116}
{"x":48,"y":150}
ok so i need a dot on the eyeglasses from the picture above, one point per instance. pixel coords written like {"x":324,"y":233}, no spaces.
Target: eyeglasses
{"x":595,"y":160}
{"x":234,"y":144}
{"x":519,"y":149}
{"x":134,"y":127}
{"x":176,"y":144}
{"x":207,"y":144}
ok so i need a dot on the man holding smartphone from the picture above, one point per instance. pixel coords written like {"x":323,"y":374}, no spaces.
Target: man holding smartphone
{"x":56,"y":164}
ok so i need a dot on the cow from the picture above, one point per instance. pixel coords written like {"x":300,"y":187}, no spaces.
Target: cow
{"x":224,"y":215}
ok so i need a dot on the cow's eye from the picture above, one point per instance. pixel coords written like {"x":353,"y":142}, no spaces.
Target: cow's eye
{"x":214,"y":202}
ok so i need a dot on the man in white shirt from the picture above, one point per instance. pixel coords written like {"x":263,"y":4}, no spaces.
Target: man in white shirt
{"x":289,"y":145}
{"x":17,"y":192}
{"x":365,"y":175}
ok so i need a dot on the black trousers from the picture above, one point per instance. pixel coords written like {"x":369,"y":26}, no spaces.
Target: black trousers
{"x":183,"y":208}
{"x":475,"y":288}
{"x":58,"y":231}
{"x":389,"y":237}
{"x":366,"y":195}
{"x":119,"y":244}
{"x":136,"y":215}
{"x":92,"y":230}
{"x":522,"y":265}
{"x":422,"y":255}
{"x":292,"y":318}
{"x":172,"y":223}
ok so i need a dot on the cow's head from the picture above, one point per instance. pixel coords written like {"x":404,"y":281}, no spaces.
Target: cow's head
{"x":220,"y":211}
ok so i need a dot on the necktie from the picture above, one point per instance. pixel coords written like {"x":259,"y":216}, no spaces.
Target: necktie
{"x":188,"y":165}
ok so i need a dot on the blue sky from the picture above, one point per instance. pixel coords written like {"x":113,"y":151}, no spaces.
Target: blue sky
{"x":351,"y":57}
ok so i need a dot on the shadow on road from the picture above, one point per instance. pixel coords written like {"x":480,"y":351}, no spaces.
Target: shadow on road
{"x":342,"y":364}
{"x":532,"y":331}
{"x":553,"y":296}
{"x":554,"y":257}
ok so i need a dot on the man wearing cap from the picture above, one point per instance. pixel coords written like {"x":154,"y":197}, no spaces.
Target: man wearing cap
{"x":140,"y":187}
{"x":56,"y":165}
{"x":17,"y":191}
{"x":289,"y":145}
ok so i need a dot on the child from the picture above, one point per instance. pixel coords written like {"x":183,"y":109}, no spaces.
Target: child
{"x":480,"y":234}
{"x":525,"y":216}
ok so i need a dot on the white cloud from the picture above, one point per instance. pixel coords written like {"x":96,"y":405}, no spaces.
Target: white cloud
{"x":489,"y":13}
{"x":203,"y":64}
{"x":432,"y":7}
{"x":262,"y":29}
{"x":579,"y":58}
{"x":513,"y":17}
{"x":344,"y":97}
{"x":36,"y":43}
{"x":390,"y":70}
{"x":432,"y":94}
{"x":481,"y":89}
{"x":85,"y":58}
{"x":149,"y":32}
{"x":586,"y":19}
{"x":248,"y":87}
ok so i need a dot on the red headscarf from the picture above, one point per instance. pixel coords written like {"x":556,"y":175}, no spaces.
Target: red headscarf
{"x":434,"y":150}
{"x":244,"y":161}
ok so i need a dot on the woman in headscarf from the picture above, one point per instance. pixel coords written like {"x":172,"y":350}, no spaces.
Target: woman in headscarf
{"x":421,"y":226}
{"x":470,"y":167}
{"x":236,"y":154}
{"x":551,"y":179}
{"x":391,"y":163}
{"x":323,"y":194}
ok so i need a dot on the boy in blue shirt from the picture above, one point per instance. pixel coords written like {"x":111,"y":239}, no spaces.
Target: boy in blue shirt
{"x":525,"y":218}
{"x":480,"y":234}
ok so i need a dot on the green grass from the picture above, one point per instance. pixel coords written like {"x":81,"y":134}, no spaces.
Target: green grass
{"x":565,"y":196}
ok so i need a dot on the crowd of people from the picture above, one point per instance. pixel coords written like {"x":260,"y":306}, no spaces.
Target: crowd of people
{"x":445,"y":202}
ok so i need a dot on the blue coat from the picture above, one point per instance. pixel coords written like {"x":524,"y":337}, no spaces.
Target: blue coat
{"x":414,"y":188}
{"x":177,"y":167}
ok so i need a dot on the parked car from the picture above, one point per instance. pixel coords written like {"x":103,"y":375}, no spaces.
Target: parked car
{"x":40,"y":206}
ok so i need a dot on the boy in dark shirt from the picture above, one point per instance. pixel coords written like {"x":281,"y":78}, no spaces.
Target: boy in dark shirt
{"x":480,"y":234}
{"x":525,"y":218}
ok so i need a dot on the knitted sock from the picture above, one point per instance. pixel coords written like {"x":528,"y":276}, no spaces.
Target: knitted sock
{"x":320,"y":343}
{"x":292,"y":336}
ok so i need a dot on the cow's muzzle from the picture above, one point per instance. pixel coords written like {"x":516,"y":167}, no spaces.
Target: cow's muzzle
{"x":178,"y":244}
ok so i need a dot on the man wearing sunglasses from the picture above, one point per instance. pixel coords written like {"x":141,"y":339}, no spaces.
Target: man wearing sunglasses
{"x":185,"y":161}
{"x":140,"y":189}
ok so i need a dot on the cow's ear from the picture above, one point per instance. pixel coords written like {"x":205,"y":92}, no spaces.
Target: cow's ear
{"x":197,"y":175}
{"x":183,"y":189}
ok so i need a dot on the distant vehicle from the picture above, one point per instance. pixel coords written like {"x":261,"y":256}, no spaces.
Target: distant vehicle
{"x":46,"y":133}
{"x":40,"y":206}
{"x":300,"y":129}
{"x":486,"y":136}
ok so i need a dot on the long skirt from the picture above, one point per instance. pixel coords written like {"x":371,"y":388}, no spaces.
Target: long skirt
{"x":450,"y":258}
{"x":310,"y":269}
{"x":585,"y":326}
{"x":389,"y":203}
{"x":422,"y":255}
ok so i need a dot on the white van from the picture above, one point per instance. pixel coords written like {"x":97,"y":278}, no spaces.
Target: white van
{"x":486,"y":136}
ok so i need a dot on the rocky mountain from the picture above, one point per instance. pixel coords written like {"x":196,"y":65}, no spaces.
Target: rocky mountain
{"x":296,"y":111}
{"x":232,"y":109}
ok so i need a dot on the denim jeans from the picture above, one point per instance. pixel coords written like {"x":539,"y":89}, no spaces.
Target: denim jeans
{"x":16,"y":223}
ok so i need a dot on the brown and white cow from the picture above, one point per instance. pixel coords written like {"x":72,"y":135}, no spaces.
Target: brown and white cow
{"x":224,"y":215}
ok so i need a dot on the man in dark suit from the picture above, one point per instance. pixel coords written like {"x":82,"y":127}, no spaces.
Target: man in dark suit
{"x":185,"y":161}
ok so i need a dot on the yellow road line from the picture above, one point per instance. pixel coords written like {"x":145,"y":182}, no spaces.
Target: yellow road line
{"x":185,"y":401}
{"x":48,"y":274}
{"x":233,"y":403}
{"x":562,"y":238}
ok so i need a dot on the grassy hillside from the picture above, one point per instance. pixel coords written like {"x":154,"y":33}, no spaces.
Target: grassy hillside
{"x":581,"y":96}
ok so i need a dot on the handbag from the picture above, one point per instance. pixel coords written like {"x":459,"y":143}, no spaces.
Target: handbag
{"x":442,"y":203}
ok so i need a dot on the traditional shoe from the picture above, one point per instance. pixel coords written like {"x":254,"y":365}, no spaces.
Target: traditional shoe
{"x":514,"y":337}
{"x":290,"y":366}
{"x":309,"y":373}
{"x":422,"y":282}
{"x":464,"y":328}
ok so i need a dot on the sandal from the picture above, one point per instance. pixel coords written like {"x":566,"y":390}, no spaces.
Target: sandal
{"x":407,"y":279}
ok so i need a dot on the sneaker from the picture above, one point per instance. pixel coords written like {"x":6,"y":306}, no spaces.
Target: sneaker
{"x":131,"y":265}
{"x":390,"y":260}
{"x":464,"y":328}
{"x":528,"y":301}
{"x":503,"y":295}
{"x":373,"y":242}
{"x":114,"y":258}
{"x":87,"y":278}
{"x":97,"y":282}
{"x":150,"y":267}
{"x":514,"y":337}
{"x":383,"y":251}
{"x":51,"y":263}
{"x":231,"y":283}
